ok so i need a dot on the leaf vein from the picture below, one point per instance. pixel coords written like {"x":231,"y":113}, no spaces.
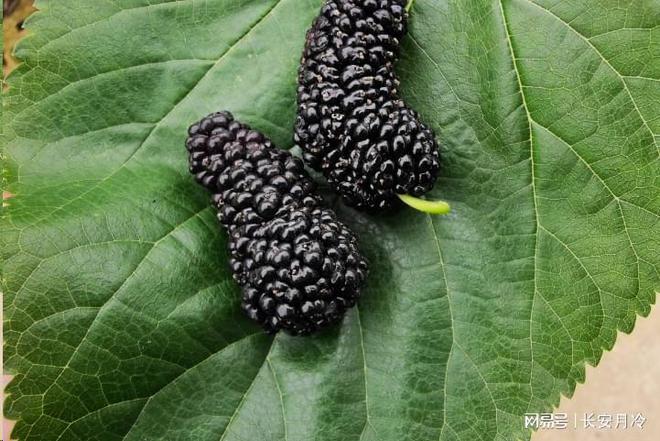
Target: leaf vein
{"x":606,"y":61}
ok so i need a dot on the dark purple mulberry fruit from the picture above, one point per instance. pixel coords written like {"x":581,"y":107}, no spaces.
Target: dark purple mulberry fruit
{"x":299,"y":267}
{"x":351,"y":123}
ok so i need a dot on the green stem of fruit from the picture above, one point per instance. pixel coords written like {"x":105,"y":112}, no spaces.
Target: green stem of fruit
{"x":409,"y":5}
{"x":430,"y":207}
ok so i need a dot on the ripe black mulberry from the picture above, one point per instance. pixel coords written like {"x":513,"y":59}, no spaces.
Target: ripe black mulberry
{"x":299,"y":267}
{"x":351,"y":124}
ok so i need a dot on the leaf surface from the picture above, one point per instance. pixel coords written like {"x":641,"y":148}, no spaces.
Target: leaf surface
{"x":121,"y":318}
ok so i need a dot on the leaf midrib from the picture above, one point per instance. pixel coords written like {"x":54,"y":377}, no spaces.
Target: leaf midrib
{"x":451,"y":319}
{"x":537,"y":220}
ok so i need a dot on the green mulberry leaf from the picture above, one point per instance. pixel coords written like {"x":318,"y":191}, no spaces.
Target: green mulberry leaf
{"x":121,"y":318}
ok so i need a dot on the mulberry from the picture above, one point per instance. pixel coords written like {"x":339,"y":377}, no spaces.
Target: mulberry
{"x":351,"y":123}
{"x":298,"y":266}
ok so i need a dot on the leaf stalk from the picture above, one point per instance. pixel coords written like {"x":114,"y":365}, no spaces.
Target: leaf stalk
{"x":409,"y":5}
{"x":430,"y":207}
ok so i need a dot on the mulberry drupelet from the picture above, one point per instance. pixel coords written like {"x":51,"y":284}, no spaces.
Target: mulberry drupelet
{"x":298,"y":266}
{"x":351,"y":123}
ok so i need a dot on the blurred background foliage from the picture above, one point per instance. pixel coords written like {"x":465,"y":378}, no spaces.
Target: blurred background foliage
{"x":14,"y":12}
